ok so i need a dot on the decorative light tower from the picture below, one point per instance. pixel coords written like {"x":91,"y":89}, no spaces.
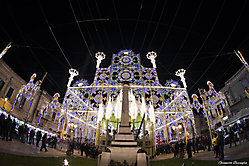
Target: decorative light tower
{"x":152,"y":57}
{"x":100,"y":56}
{"x":73,"y":73}
{"x":180,"y":73}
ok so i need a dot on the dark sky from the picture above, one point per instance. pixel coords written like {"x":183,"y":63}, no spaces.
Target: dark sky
{"x":198,"y":36}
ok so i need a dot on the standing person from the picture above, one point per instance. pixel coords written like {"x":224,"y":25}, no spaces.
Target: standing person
{"x":31,"y":136}
{"x":2,"y":118}
{"x":7,"y":126}
{"x":44,"y":142}
{"x":176,"y":149}
{"x":193,"y":144}
{"x":87,"y":149}
{"x":12,"y":129}
{"x":209,"y":143}
{"x":221,"y":145}
{"x":188,"y":148}
{"x":25,"y":134}
{"x":197,"y":144}
{"x":215,"y":144}
{"x":38,"y":138}
{"x":231,"y":135}
{"x":241,"y":134}
{"x":82,"y":148}
{"x":54,"y":142}
{"x":21,"y":131}
{"x":182,"y":145}
{"x":244,"y":127}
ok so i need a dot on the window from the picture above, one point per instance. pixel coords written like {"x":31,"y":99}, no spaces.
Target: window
{"x":10,"y":92}
{"x":245,"y":83}
{"x":53,"y":116}
{"x":1,"y":84}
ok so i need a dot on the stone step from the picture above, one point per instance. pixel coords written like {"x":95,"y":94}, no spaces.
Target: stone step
{"x":123,"y":137}
{"x":123,"y":144}
{"x":124,"y":129}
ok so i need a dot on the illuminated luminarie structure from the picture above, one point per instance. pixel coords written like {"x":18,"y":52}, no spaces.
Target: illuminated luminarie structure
{"x":94,"y":111}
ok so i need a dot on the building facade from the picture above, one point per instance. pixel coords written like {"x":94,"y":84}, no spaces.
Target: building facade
{"x":236,"y":90}
{"x":10,"y":84}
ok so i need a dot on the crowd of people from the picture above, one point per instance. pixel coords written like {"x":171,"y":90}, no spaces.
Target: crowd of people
{"x":192,"y":146}
{"x":9,"y":130}
{"x":232,"y":135}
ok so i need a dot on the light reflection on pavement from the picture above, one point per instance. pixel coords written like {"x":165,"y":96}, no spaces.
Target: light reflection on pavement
{"x":18,"y":148}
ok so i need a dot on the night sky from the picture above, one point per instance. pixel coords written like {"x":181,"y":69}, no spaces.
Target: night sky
{"x":53,"y":36}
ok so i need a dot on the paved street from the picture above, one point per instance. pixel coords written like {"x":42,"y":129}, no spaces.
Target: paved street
{"x":15,"y":147}
{"x":18,"y":148}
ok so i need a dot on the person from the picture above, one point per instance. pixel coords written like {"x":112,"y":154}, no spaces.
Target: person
{"x":38,"y":138}
{"x":25,"y":132}
{"x":241,"y":134}
{"x":209,"y":143}
{"x":231,"y":135}
{"x":20,"y":131}
{"x":188,"y":149}
{"x":44,"y":142}
{"x":54,"y":141}
{"x":193,"y":144}
{"x":72,"y":146}
{"x":197,"y":144}
{"x":13,"y":129}
{"x":82,"y":148}
{"x":6,"y":128}
{"x":31,"y":136}
{"x":181,"y":146}
{"x":244,"y":127}
{"x":215,"y":144}
{"x":176,"y":149}
{"x":87,"y":149}
{"x":221,"y":145}
{"x":2,"y":118}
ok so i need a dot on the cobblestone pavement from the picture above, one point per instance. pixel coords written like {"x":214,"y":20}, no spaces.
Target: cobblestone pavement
{"x":18,"y":148}
{"x":239,"y":152}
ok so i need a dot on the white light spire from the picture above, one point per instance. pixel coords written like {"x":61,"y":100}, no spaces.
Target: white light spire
{"x":143,"y":107}
{"x":152,"y":57}
{"x":118,"y":106}
{"x":100,"y":56}
{"x":109,"y":109}
{"x":152,"y":113}
{"x":133,"y":107}
{"x":73,"y":73}
{"x":100,"y":112}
